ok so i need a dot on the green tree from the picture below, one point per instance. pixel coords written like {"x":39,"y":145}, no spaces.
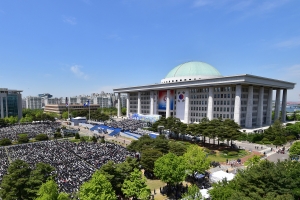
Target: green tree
{"x":195,"y":160}
{"x":23,"y":138}
{"x":266,"y":180}
{"x":64,"y":115}
{"x":135,"y":186}
{"x":177,"y":148}
{"x":41,"y":137}
{"x":5,"y":142}
{"x":148,"y":158}
{"x":253,"y":161}
{"x":295,"y":149}
{"x":170,"y":168}
{"x":38,"y":176}
{"x":49,"y":191}
{"x":193,"y":193}
{"x":123,"y":111}
{"x":97,"y":188}
{"x":14,"y":183}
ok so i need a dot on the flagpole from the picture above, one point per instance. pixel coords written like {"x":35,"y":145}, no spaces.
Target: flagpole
{"x":89,"y":112}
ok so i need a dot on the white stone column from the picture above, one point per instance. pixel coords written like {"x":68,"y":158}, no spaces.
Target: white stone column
{"x":168,"y":112}
{"x":248,"y":122}
{"x":269,"y":107}
{"x":260,"y":107}
{"x":283,"y":106}
{"x":237,"y":104}
{"x":187,"y":106}
{"x":210,"y":103}
{"x":139,"y":103}
{"x":128,"y":105}
{"x":151,"y":102}
{"x":119,"y":104}
{"x":277,"y":104}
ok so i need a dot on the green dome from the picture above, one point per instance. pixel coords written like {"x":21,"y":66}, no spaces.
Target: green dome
{"x":194,"y":69}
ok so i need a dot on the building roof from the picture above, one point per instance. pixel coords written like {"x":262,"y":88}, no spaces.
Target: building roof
{"x":193,"y":69}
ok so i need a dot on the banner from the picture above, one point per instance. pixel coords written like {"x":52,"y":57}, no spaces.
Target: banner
{"x":162,"y":100}
{"x":145,"y":118}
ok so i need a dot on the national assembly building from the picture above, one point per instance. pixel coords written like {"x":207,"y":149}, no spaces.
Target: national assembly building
{"x":194,"y":90}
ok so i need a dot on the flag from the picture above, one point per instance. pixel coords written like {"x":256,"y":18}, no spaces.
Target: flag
{"x":87,"y":103}
{"x":67,"y":103}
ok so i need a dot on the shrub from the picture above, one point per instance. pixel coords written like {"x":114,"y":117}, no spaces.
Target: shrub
{"x":82,"y":139}
{"x":290,"y":137}
{"x":225,"y":151}
{"x":102,"y":140}
{"x":77,"y":136}
{"x":41,"y":137}
{"x":5,"y":142}
{"x":232,"y":153}
{"x":212,"y":153}
{"x":94,"y":139}
{"x":57,"y":135}
{"x":23,"y":138}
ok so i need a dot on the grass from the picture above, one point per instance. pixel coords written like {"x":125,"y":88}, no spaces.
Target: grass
{"x":221,"y":157}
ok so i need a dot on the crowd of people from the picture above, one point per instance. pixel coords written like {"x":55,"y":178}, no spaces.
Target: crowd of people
{"x":130,"y":125}
{"x":3,"y":162}
{"x":74,"y":163}
{"x":31,"y":129}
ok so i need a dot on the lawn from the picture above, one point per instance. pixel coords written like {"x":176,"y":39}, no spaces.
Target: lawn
{"x":223,"y":155}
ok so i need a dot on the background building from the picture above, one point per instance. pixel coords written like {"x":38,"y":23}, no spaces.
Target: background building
{"x":10,"y":103}
{"x":33,"y":102}
{"x":194,"y":90}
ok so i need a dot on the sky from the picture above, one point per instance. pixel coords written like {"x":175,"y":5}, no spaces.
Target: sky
{"x":74,"y":47}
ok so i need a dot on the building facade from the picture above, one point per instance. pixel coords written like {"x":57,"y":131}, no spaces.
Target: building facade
{"x":10,"y":103}
{"x":194,"y":90}
{"x":34,"y":102}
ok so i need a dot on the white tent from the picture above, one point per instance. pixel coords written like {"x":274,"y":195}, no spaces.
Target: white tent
{"x":220,"y":175}
{"x":204,"y":193}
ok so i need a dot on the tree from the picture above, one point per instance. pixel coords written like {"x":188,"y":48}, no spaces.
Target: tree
{"x":41,"y":137}
{"x":148,"y":158}
{"x":295,"y":149}
{"x":64,"y":115}
{"x":97,"y":188}
{"x":177,"y":148}
{"x":14,"y":183}
{"x":135,"y":186}
{"x":77,"y":136}
{"x":23,"y":138}
{"x":49,"y":191}
{"x":38,"y":176}
{"x":170,"y":168}
{"x":266,"y":180}
{"x":193,"y":193}
{"x":195,"y":160}
{"x":253,"y":161}
{"x":5,"y":142}
{"x":123,"y":111}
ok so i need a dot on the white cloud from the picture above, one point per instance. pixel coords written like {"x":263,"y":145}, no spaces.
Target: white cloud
{"x":75,"y":69}
{"x":69,"y":20}
{"x":293,"y":42}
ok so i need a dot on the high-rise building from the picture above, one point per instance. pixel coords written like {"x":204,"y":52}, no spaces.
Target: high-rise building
{"x":33,"y":102}
{"x":10,"y":103}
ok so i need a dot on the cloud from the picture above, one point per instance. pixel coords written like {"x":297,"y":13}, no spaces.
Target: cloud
{"x":293,"y":42}
{"x":69,"y":20}
{"x":75,"y":69}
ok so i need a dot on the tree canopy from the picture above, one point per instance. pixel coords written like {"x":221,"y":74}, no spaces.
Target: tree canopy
{"x":266,"y":180}
{"x":135,"y":186}
{"x":170,"y":168}
{"x":97,"y":188}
